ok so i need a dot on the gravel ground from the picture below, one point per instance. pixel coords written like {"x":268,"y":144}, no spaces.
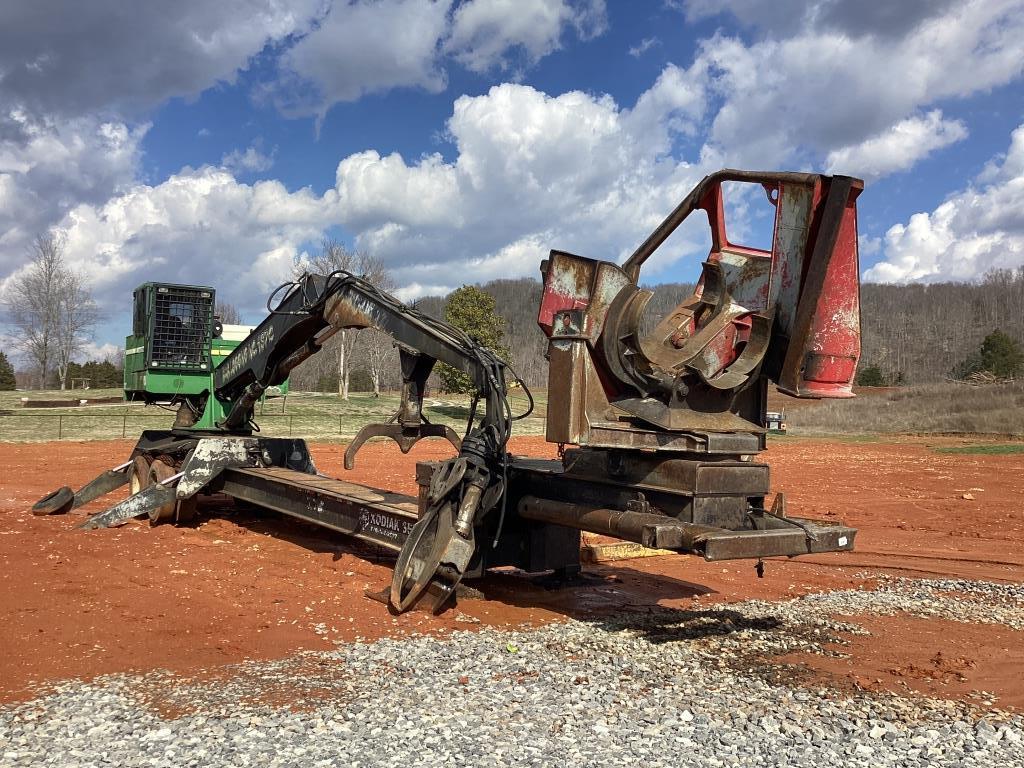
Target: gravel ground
{"x":663,"y":688}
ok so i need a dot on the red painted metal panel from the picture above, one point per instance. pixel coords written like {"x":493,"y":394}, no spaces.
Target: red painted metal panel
{"x":834,"y":344}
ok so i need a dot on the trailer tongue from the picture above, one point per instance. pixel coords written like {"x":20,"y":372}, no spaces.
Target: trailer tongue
{"x":667,"y":423}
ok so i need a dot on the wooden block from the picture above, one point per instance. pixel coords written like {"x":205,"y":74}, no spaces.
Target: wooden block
{"x":623,"y":550}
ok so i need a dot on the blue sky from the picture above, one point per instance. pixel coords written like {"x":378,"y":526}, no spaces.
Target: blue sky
{"x":458,"y":141}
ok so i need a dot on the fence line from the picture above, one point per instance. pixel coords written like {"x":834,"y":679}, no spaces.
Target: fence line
{"x":43,"y":426}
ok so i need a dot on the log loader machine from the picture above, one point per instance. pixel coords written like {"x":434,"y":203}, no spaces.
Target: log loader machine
{"x":664,"y":426}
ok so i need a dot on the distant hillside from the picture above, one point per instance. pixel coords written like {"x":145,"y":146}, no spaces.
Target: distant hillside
{"x":915,"y":333}
{"x":918,"y":332}
{"x":922,"y":331}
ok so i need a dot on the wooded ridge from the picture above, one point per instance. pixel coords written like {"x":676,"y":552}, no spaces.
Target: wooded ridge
{"x":915,"y":333}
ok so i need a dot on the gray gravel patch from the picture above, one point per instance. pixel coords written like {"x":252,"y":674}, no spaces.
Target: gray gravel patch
{"x":662,"y":688}
{"x":969,"y":602}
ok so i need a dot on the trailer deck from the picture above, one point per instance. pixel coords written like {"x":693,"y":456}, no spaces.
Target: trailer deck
{"x":368,"y":514}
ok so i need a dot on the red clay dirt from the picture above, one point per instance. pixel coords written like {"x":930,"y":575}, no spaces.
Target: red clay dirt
{"x":942,"y":659}
{"x":240,"y":585}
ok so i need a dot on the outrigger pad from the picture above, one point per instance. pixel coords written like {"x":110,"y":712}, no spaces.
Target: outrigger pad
{"x":56,"y":503}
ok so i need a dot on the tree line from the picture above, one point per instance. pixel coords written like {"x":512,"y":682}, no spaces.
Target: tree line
{"x":96,"y":374}
{"x":916,"y":334}
{"x":911,"y":333}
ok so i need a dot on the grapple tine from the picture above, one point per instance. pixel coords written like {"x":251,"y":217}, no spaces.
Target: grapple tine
{"x":141,"y":503}
{"x":405,"y":436}
{"x":110,"y":480}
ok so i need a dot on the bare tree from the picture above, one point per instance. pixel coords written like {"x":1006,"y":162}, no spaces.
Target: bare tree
{"x":51,"y":308}
{"x":378,"y":349}
{"x":333,"y":257}
{"x":77,"y":314}
{"x":378,"y":346}
{"x":228,"y":313}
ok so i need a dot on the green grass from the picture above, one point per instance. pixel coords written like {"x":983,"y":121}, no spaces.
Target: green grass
{"x":836,"y":437}
{"x":988,"y":449}
{"x":303,"y":414}
{"x":947,"y":407}
{"x":841,"y":437}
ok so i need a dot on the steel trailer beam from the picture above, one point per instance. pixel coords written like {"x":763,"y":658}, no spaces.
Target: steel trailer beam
{"x":773,"y":536}
{"x":372,"y":516}
{"x":386,"y":519}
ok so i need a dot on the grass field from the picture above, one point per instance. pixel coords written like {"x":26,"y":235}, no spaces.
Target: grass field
{"x":987,"y":450}
{"x":303,"y":414}
{"x":996,"y":409}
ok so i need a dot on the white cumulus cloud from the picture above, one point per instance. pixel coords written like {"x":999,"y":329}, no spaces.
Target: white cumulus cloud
{"x":643,"y":46}
{"x":362,"y":47}
{"x":485,"y":32}
{"x":74,"y":58}
{"x":855,"y":18}
{"x":532,"y":172}
{"x":973,"y":231}
{"x":198,"y":226}
{"x":897,"y":148}
{"x":793,"y":98}
{"x":250,"y":160}
{"x":49,"y":166}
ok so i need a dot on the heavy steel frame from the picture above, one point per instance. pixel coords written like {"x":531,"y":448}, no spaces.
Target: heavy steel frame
{"x":666,"y":424}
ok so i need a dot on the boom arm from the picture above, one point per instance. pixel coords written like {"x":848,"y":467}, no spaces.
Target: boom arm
{"x":313,"y":309}
{"x":463,"y":489}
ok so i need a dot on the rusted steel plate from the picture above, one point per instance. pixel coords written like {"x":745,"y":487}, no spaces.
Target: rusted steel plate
{"x":377,"y":517}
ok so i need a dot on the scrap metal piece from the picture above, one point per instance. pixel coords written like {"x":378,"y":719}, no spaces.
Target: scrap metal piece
{"x":64,"y":499}
{"x":55,"y":503}
{"x":142,"y":503}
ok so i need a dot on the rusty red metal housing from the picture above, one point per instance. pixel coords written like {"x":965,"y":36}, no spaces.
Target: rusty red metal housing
{"x":790,"y":315}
